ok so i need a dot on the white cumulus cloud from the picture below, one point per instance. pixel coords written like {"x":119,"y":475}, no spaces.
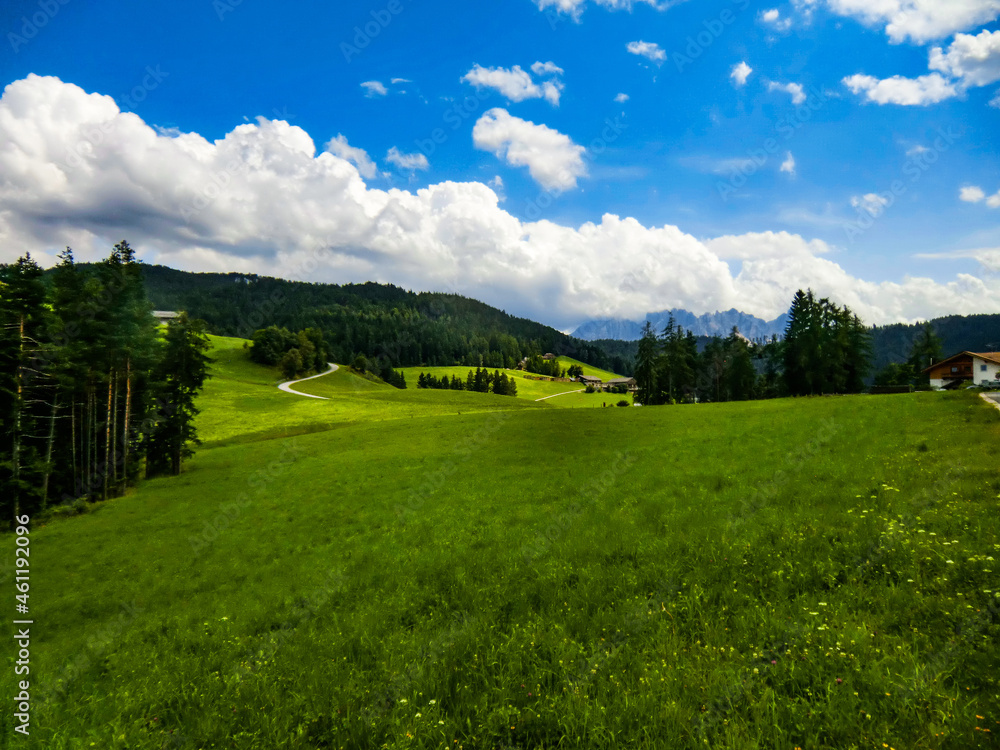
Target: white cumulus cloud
{"x":552,"y":159}
{"x":546,"y":69}
{"x":515,"y":83}
{"x":621,"y":98}
{"x":773,"y":19}
{"x":740,"y":73}
{"x":929,"y":89}
{"x":374,"y":88}
{"x":407,"y":161}
{"x":974,"y":60}
{"x":75,"y":170}
{"x":650,"y":50}
{"x":794,"y":90}
{"x":870,"y":203}
{"x":975,"y":194}
{"x":971,"y":194}
{"x":918,"y":21}
{"x":574,"y":8}
{"x":788,"y":165}
{"x":357,"y":156}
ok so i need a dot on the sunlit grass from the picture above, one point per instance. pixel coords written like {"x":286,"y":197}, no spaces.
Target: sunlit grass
{"x":814,"y":573}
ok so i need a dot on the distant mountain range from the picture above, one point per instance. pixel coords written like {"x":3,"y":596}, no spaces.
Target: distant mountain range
{"x":710,"y":324}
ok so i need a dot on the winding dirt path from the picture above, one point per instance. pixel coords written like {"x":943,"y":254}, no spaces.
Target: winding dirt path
{"x":566,"y":393}
{"x":287,"y":386}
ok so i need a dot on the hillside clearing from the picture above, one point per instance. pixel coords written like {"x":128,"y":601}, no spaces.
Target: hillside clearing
{"x":804,"y":572}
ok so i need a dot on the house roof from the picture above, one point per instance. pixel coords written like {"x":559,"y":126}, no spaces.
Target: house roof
{"x":988,"y":356}
{"x":619,"y":381}
{"x":589,"y":379}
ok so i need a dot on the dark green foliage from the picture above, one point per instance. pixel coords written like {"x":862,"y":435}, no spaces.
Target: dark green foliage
{"x":549,"y":367}
{"x":295,"y":354}
{"x":380,"y":321}
{"x":827,"y":349}
{"x":23,"y":388}
{"x":894,"y":374}
{"x":926,"y":350}
{"x":270,"y":345}
{"x":677,"y":366}
{"x":78,"y":351}
{"x":291,"y":364}
{"x":392,"y":377}
{"x":956,"y":333}
{"x":480,"y":381}
{"x":178,"y":379}
{"x":646,"y":362}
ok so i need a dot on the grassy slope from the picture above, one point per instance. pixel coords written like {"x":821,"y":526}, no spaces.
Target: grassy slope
{"x":510,"y":578}
{"x":241,"y":401}
{"x":526,"y":388}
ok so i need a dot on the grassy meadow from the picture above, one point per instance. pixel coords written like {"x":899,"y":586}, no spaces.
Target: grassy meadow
{"x":437,"y":569}
{"x":529,"y":388}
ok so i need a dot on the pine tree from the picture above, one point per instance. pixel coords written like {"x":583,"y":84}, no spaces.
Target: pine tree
{"x":800,"y":345}
{"x":646,"y":366}
{"x":925,"y":351}
{"x":180,"y":376}
{"x":22,"y":332}
{"x":741,"y":374}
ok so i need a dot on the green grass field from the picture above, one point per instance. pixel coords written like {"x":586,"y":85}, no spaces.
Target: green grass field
{"x":428,"y":569}
{"x":527,"y":387}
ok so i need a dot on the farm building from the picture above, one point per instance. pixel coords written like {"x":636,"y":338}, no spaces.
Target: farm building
{"x":549,"y":357}
{"x":164,"y":316}
{"x":590,"y":380}
{"x":979,"y":367}
{"x":629,"y":383}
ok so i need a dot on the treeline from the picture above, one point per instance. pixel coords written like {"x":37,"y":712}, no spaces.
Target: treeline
{"x":925,"y":350}
{"x":92,"y":396}
{"x":480,"y":381}
{"x":295,"y":354}
{"x":394,"y":378}
{"x":551,"y":367}
{"x":382,"y":322}
{"x":826,"y":349}
{"x":894,"y":344}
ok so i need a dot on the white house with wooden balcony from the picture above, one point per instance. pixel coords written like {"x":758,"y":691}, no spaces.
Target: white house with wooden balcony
{"x":979,"y":367}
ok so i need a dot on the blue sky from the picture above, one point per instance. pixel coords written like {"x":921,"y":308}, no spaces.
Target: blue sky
{"x":857,"y":155}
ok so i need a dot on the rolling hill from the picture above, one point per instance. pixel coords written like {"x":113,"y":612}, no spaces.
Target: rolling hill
{"x":429,"y":568}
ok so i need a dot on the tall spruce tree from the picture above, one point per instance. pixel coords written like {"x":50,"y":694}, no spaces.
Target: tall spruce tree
{"x":22,"y":385}
{"x":925,"y":351}
{"x":741,"y":374}
{"x":178,"y":379}
{"x":646,"y":365}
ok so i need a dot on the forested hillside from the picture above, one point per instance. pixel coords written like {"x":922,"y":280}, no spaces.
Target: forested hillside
{"x":93,"y":395}
{"x":958,"y":333}
{"x":403,"y":328}
{"x":379,"y":321}
{"x":891,"y":343}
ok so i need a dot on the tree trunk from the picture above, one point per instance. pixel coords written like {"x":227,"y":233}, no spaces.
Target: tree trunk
{"x":72,"y":435}
{"x":107,"y":442}
{"x":91,"y":438}
{"x":128,"y":414}
{"x":114,"y":433}
{"x":48,"y":451}
{"x":16,"y":450}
